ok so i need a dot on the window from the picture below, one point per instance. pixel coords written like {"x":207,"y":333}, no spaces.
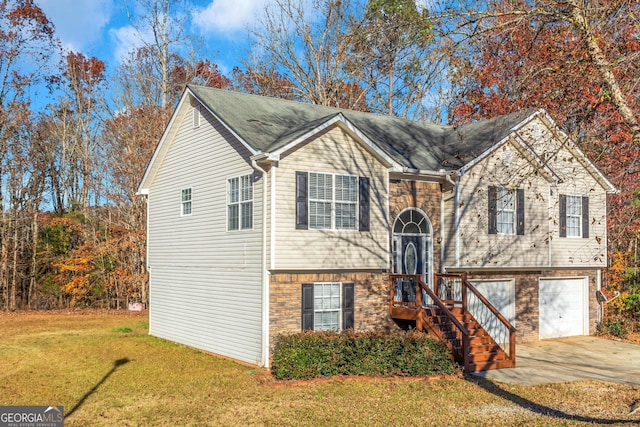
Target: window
{"x":320,"y":200}
{"x":574,"y":216}
{"x":327,"y":201}
{"x":346,"y":201}
{"x":196,"y":117}
{"x":186,"y":201}
{"x":327,"y":306}
{"x":506,"y":211}
{"x":240,"y":203}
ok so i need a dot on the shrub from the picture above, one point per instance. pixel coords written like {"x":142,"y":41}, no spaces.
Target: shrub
{"x":311,"y":354}
{"x":616,"y":327}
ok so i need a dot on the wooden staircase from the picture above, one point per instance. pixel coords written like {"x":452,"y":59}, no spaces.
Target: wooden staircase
{"x":450,"y":319}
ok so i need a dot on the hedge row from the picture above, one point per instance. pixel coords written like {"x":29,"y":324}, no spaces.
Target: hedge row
{"x":309,"y":355}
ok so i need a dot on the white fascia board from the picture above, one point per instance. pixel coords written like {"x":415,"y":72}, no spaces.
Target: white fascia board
{"x":161,"y":148}
{"x":577,"y":153}
{"x":339,"y":119}
{"x":248,"y":146}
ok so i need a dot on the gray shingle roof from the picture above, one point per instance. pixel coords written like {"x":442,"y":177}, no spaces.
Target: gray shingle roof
{"x":268,"y":124}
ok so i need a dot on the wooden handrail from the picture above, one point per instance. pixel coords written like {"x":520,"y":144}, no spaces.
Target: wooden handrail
{"x":490,"y":306}
{"x":420,"y":284}
{"x":512,"y":330}
{"x":442,"y":306}
{"x":452,"y":318}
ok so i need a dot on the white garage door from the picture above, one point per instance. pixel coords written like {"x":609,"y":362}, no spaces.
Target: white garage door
{"x":502,"y":295}
{"x":563,"y":307}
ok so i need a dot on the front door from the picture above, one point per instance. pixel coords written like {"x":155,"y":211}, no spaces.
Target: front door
{"x":412,"y":255}
{"x":412,"y":248}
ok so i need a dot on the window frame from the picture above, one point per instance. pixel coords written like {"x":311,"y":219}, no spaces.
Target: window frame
{"x":564,"y":216}
{"x":186,"y":204}
{"x":572,"y":228}
{"x":519,"y":208}
{"x":318,"y":323}
{"x":240,"y":200}
{"x":346,"y":295}
{"x":336,"y":202}
{"x":502,"y":209}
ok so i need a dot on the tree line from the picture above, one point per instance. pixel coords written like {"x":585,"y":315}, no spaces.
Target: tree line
{"x":72,"y":229}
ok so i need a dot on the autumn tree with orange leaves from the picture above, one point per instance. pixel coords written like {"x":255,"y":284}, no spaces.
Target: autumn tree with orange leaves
{"x":579,"y":61}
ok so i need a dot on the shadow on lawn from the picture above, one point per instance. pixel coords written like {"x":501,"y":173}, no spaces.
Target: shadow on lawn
{"x":115,"y":366}
{"x":536,"y":408}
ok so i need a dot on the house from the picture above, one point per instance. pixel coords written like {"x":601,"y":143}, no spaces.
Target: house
{"x":268,"y":216}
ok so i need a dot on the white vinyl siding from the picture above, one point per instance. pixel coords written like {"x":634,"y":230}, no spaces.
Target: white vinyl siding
{"x":205,"y":283}
{"x":327,"y":306}
{"x":337,"y":153}
{"x":506,"y":211}
{"x":240,"y":203}
{"x":540,"y":246}
{"x":574,"y":216}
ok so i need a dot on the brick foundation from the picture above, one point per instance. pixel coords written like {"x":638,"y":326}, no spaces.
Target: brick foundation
{"x":371,"y":303}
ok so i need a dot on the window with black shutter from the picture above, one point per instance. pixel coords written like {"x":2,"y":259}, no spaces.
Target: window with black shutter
{"x":574,"y":216}
{"x":327,"y":201}
{"x":327,"y":306}
{"x":506,"y":211}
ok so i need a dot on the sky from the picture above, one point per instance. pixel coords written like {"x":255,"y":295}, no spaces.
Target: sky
{"x":101,"y":28}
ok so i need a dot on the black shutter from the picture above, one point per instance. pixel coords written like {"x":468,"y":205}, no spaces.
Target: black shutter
{"x":307,"y":306}
{"x":348,"y":290}
{"x":302,"y":217}
{"x":585,"y":217}
{"x":563,"y":215}
{"x":363,"y":196}
{"x":520,"y":212}
{"x":493,"y":217}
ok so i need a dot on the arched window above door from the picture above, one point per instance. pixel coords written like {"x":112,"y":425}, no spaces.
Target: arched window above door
{"x":412,"y":221}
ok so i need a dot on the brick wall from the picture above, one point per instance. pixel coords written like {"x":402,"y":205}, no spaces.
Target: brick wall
{"x":527,"y":302}
{"x":371,"y":302}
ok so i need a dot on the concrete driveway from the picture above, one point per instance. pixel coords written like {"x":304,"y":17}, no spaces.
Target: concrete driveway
{"x":572,"y":359}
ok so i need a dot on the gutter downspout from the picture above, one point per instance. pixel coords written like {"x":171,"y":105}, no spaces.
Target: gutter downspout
{"x":265,"y":275}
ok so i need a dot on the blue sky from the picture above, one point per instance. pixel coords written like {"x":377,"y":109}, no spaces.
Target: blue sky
{"x":101,"y":28}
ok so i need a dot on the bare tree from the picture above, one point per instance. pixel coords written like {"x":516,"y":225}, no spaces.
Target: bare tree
{"x":159,"y":25}
{"x":306,"y":44}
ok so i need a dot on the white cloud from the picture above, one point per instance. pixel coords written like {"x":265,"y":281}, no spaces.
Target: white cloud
{"x":125,"y":40}
{"x":79,"y":24}
{"x":227,"y":16}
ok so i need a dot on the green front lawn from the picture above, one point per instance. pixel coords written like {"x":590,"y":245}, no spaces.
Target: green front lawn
{"x":106,"y":370}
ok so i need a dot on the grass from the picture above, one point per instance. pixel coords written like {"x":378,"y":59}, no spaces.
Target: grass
{"x":106,"y":371}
